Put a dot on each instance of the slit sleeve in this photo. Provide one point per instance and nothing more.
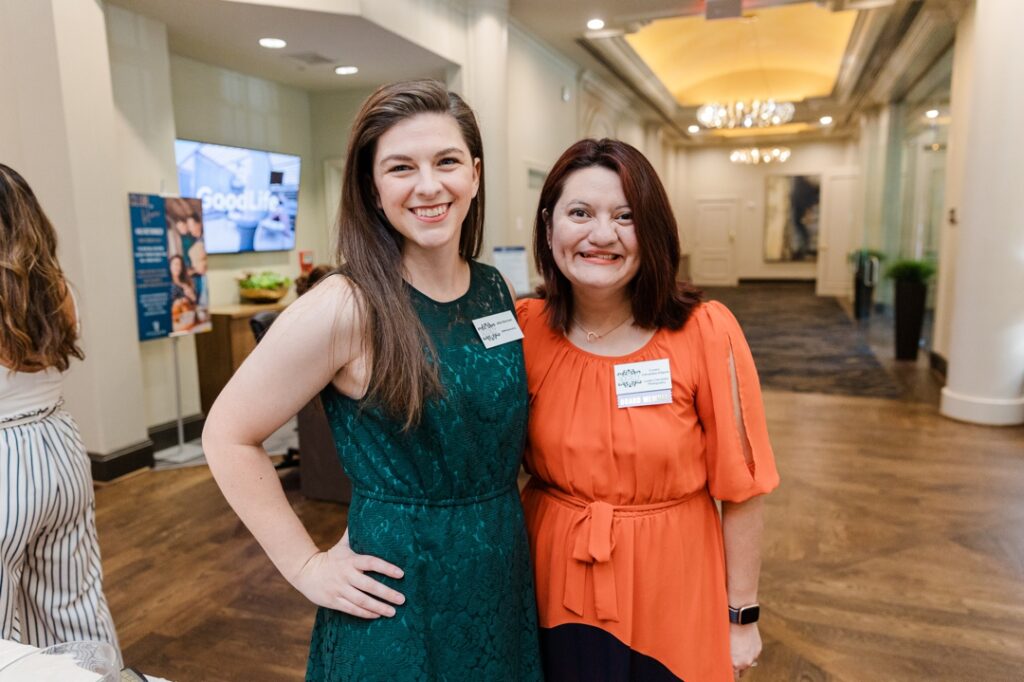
(523, 312)
(738, 454)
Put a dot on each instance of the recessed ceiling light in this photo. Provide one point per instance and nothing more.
(825, 120)
(595, 24)
(693, 129)
(346, 70)
(932, 113)
(272, 43)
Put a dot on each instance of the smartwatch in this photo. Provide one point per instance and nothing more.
(744, 615)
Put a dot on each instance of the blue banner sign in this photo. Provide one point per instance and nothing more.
(152, 275)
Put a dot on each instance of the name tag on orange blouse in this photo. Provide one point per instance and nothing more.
(638, 384)
(497, 329)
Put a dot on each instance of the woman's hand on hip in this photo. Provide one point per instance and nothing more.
(745, 645)
(337, 579)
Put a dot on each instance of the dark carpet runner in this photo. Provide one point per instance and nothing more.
(803, 342)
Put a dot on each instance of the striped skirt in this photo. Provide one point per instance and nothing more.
(51, 580)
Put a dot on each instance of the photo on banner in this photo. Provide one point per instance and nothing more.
(171, 292)
(186, 263)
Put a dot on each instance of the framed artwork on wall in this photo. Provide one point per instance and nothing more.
(792, 210)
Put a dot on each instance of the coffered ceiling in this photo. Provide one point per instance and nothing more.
(783, 53)
(832, 58)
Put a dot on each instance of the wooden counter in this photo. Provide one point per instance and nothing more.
(221, 351)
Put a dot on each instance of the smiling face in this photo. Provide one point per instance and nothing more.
(176, 265)
(591, 231)
(426, 180)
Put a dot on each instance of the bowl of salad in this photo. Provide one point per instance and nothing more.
(265, 287)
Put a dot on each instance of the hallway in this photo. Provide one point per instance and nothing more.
(893, 548)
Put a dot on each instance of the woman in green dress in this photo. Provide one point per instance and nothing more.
(431, 580)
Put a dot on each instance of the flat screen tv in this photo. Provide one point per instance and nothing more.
(250, 197)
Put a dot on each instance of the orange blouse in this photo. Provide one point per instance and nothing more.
(624, 532)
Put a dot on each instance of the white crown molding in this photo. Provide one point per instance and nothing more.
(689, 8)
(593, 85)
(536, 43)
(844, 5)
(501, 6)
(863, 41)
(935, 79)
(631, 68)
(928, 37)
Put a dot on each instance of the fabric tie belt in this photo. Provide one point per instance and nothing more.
(589, 545)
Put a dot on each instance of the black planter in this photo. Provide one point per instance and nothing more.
(864, 280)
(910, 298)
(862, 299)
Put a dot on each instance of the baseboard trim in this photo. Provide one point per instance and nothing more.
(120, 462)
(166, 435)
(937, 363)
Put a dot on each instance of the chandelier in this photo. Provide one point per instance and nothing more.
(755, 114)
(754, 155)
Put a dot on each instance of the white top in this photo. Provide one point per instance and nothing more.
(25, 393)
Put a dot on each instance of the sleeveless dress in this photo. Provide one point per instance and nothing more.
(626, 538)
(440, 501)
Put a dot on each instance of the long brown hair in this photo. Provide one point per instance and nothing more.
(658, 299)
(37, 332)
(370, 249)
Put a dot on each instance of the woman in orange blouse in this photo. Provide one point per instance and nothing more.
(644, 407)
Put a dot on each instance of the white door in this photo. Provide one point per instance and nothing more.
(714, 252)
(334, 170)
(838, 231)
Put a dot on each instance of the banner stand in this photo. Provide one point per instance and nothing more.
(171, 287)
(182, 452)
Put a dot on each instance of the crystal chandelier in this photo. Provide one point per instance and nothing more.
(754, 155)
(755, 114)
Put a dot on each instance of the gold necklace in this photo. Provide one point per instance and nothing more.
(594, 336)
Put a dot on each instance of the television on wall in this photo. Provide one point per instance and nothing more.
(250, 197)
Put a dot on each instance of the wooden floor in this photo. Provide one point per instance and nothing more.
(894, 551)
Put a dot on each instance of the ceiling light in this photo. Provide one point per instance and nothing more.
(932, 113)
(754, 156)
(694, 129)
(755, 114)
(346, 70)
(595, 24)
(825, 120)
(272, 43)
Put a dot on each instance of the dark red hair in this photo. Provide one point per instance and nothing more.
(658, 298)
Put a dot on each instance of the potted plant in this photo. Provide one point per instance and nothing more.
(266, 287)
(911, 278)
(865, 278)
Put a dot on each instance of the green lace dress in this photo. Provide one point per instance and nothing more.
(440, 501)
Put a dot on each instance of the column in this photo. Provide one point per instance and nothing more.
(985, 379)
(58, 130)
(485, 83)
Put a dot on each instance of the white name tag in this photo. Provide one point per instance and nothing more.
(638, 384)
(495, 330)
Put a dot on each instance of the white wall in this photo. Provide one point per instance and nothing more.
(960, 112)
(435, 25)
(541, 125)
(216, 105)
(709, 173)
(141, 75)
(159, 97)
(58, 130)
(331, 115)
